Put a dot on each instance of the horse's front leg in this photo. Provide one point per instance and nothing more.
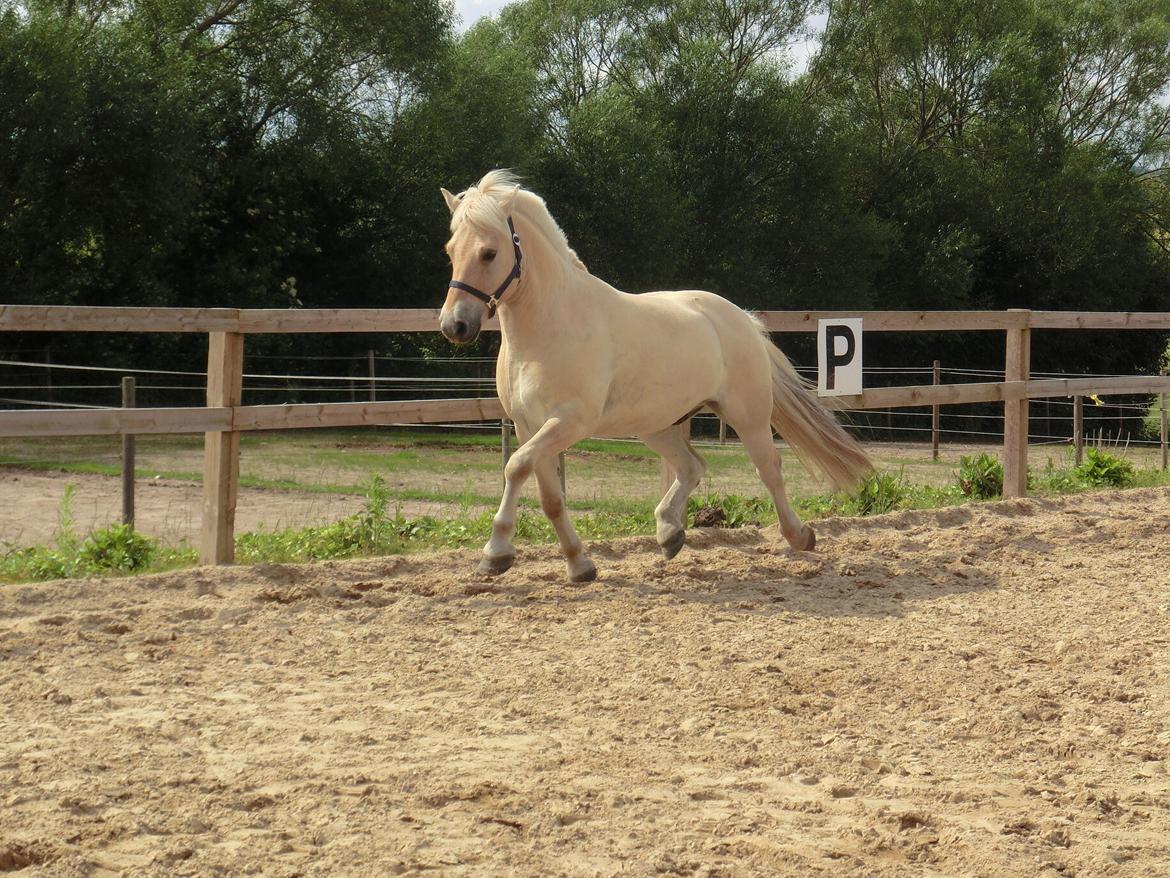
(557, 434)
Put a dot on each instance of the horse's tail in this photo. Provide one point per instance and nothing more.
(810, 429)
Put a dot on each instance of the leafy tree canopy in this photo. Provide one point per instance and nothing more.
(957, 154)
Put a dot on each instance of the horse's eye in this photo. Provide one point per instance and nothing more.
(488, 255)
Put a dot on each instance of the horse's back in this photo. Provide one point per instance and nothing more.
(708, 341)
(737, 332)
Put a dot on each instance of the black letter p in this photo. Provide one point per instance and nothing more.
(832, 358)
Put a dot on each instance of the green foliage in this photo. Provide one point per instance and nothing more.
(1150, 478)
(377, 530)
(1151, 428)
(115, 549)
(981, 477)
(373, 530)
(1057, 479)
(66, 538)
(878, 493)
(1100, 468)
(36, 563)
(1152, 422)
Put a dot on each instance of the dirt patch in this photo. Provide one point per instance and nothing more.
(164, 508)
(971, 691)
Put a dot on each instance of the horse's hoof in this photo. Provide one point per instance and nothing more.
(810, 538)
(673, 545)
(586, 574)
(497, 565)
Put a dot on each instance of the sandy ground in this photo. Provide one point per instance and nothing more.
(972, 691)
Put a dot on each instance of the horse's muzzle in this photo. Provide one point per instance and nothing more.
(459, 328)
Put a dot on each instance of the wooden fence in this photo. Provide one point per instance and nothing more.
(224, 416)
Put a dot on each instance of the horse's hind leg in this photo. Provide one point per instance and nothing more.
(688, 469)
(759, 445)
(552, 501)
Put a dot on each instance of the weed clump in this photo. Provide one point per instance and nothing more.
(981, 478)
(115, 549)
(1100, 469)
(728, 510)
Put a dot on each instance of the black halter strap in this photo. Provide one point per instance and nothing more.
(493, 301)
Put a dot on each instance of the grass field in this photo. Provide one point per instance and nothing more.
(461, 466)
(418, 489)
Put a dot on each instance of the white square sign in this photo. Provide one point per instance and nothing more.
(839, 356)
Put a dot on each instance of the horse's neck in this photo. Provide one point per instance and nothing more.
(553, 293)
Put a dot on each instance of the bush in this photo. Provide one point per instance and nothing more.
(981, 477)
(1100, 468)
(117, 548)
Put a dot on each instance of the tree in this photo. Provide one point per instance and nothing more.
(997, 141)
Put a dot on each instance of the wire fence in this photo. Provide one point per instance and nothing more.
(29, 381)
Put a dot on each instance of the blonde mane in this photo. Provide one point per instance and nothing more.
(480, 206)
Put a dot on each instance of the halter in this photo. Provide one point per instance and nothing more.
(493, 301)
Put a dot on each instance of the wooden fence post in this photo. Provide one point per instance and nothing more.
(934, 413)
(221, 449)
(505, 446)
(373, 377)
(666, 471)
(48, 374)
(506, 451)
(1165, 428)
(1078, 429)
(1017, 367)
(505, 440)
(128, 402)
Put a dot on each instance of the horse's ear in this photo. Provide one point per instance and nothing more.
(452, 200)
(506, 201)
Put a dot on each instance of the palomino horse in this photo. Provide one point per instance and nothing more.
(579, 358)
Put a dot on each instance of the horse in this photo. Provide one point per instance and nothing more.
(579, 358)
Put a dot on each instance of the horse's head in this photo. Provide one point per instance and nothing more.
(485, 258)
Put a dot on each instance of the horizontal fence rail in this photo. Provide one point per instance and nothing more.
(200, 419)
(1001, 391)
(252, 321)
(256, 321)
(98, 421)
(223, 418)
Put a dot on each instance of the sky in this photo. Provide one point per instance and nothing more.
(470, 11)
